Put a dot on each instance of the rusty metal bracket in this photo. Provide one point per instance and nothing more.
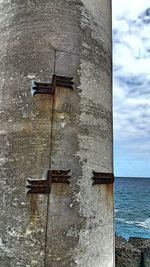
(44, 186)
(49, 88)
(102, 178)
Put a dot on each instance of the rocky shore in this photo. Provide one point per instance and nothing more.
(132, 253)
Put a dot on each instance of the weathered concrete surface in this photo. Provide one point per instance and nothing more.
(80, 216)
(127, 255)
(143, 244)
(25, 133)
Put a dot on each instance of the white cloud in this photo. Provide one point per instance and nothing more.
(129, 9)
(131, 59)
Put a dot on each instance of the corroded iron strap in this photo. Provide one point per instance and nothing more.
(102, 178)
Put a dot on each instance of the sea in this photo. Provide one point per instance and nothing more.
(132, 207)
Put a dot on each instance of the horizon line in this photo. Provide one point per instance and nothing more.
(146, 177)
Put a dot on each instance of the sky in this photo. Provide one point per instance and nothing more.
(131, 87)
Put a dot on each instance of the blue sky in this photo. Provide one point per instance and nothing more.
(131, 87)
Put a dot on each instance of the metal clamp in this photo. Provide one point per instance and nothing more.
(49, 88)
(44, 186)
(102, 178)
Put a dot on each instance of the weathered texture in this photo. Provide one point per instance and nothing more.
(25, 134)
(142, 244)
(126, 254)
(80, 216)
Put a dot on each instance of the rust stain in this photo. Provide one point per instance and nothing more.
(60, 190)
(43, 97)
(34, 212)
(109, 190)
(43, 104)
(57, 99)
(19, 127)
(27, 128)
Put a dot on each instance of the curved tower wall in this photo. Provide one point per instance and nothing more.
(72, 226)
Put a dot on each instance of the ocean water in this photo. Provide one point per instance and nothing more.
(132, 207)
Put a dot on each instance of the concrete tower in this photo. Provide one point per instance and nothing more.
(56, 129)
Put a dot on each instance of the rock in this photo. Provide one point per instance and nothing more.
(126, 254)
(142, 244)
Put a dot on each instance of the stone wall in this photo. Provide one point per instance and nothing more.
(132, 253)
(143, 244)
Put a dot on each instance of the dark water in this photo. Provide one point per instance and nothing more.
(132, 207)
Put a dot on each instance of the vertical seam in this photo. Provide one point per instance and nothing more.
(50, 163)
(50, 154)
